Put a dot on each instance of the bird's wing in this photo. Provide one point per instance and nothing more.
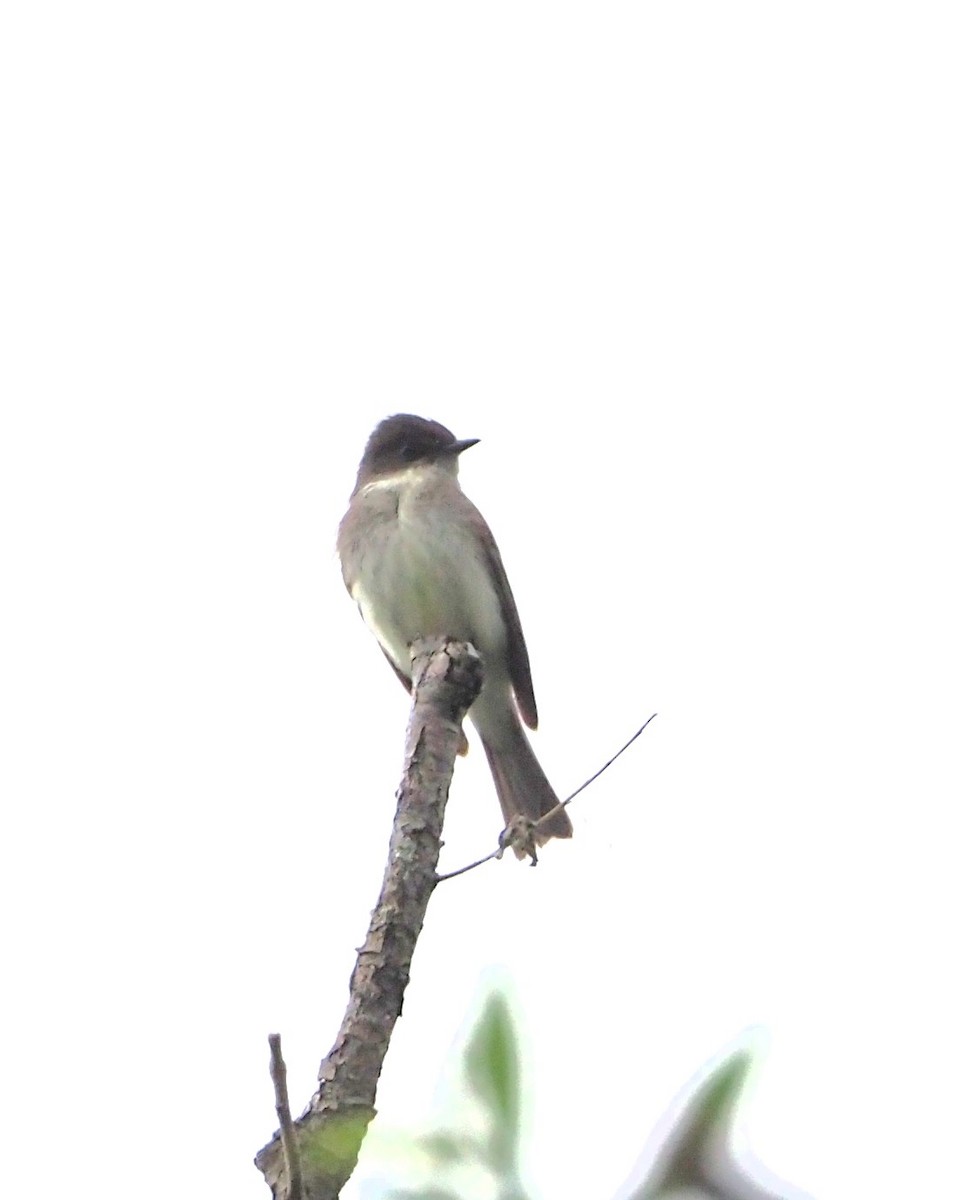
(519, 669)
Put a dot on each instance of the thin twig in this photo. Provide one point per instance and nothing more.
(609, 763)
(498, 852)
(279, 1077)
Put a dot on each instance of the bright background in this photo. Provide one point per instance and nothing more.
(693, 273)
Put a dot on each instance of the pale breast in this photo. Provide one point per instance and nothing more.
(419, 570)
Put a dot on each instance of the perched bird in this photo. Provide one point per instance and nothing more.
(420, 561)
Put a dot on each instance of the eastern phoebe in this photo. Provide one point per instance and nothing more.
(420, 561)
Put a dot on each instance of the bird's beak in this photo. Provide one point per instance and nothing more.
(458, 447)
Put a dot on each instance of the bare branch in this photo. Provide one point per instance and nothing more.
(497, 853)
(509, 835)
(447, 677)
(596, 775)
(279, 1077)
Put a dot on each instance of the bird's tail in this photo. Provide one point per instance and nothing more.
(521, 786)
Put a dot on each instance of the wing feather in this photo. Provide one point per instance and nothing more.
(519, 669)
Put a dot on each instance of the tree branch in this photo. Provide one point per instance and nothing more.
(447, 677)
(526, 828)
(279, 1077)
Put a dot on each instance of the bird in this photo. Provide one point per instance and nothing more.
(420, 561)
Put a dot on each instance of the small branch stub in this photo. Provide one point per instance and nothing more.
(447, 677)
(279, 1077)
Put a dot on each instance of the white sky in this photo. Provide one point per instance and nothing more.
(693, 273)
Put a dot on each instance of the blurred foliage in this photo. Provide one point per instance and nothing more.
(694, 1160)
(333, 1147)
(490, 1071)
(491, 1064)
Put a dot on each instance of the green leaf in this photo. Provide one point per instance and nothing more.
(334, 1145)
(491, 1064)
(447, 1148)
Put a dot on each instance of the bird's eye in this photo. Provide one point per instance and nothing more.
(408, 451)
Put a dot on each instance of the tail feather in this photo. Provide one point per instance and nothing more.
(521, 785)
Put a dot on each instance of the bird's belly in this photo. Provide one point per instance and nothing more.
(428, 581)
